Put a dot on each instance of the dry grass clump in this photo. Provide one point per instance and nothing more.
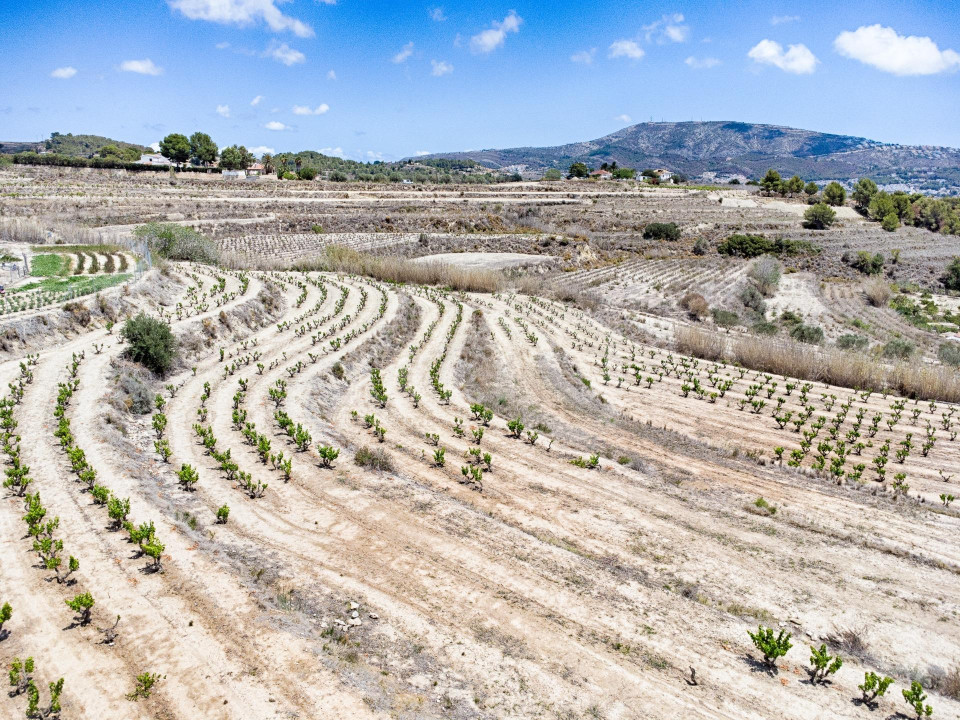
(32, 232)
(695, 304)
(835, 367)
(692, 341)
(877, 292)
(337, 258)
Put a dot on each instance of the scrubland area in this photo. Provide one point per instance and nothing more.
(565, 478)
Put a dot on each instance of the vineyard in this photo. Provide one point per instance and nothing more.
(343, 497)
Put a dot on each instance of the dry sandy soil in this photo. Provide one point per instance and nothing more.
(543, 589)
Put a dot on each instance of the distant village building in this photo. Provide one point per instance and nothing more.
(234, 174)
(153, 159)
(601, 174)
(255, 169)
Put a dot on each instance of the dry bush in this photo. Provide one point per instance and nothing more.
(337, 258)
(950, 685)
(877, 291)
(765, 272)
(831, 366)
(695, 304)
(699, 343)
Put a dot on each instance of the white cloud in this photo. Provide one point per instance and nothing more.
(667, 29)
(261, 150)
(285, 54)
(784, 19)
(625, 48)
(797, 59)
(584, 56)
(882, 48)
(440, 68)
(489, 40)
(256, 101)
(223, 110)
(436, 14)
(143, 67)
(276, 125)
(155, 146)
(371, 155)
(335, 151)
(623, 118)
(242, 12)
(421, 153)
(331, 75)
(404, 53)
(64, 73)
(222, 45)
(701, 63)
(306, 110)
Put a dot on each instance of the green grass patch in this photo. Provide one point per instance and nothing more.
(78, 283)
(48, 265)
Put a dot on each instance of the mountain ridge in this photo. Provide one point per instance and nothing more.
(731, 148)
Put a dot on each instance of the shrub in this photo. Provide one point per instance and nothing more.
(852, 341)
(746, 246)
(176, 242)
(150, 342)
(753, 299)
(771, 646)
(763, 327)
(949, 354)
(725, 318)
(6, 612)
(376, 459)
(811, 334)
(766, 272)
(819, 216)
(307, 173)
(877, 291)
(867, 263)
(890, 222)
(898, 349)
(223, 512)
(951, 279)
(700, 246)
(695, 304)
(661, 231)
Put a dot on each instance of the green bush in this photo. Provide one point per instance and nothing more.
(898, 349)
(725, 318)
(834, 194)
(763, 327)
(852, 341)
(867, 263)
(661, 231)
(949, 354)
(807, 333)
(176, 242)
(753, 299)
(750, 246)
(150, 342)
(819, 216)
(890, 222)
(951, 279)
(307, 173)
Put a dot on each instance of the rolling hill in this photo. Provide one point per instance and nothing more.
(729, 148)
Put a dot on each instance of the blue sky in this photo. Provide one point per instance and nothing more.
(368, 80)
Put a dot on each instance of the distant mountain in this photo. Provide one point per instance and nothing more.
(738, 148)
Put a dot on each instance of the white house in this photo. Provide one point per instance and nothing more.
(153, 159)
(234, 174)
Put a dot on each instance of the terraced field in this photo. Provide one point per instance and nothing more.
(351, 498)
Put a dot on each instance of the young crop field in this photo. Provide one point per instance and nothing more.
(367, 487)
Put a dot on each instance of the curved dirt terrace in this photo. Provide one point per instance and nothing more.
(466, 505)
